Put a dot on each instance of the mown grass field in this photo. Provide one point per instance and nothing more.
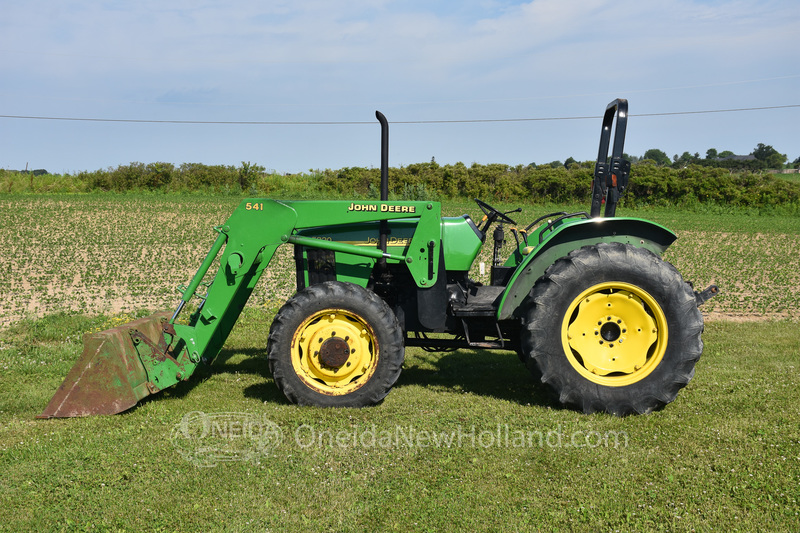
(466, 441)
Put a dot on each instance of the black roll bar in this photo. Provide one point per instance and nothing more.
(611, 176)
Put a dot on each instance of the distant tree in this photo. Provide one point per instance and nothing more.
(556, 164)
(711, 154)
(658, 156)
(769, 156)
(763, 151)
(725, 153)
(569, 161)
(796, 163)
(248, 173)
(685, 159)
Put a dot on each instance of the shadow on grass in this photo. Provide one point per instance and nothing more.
(254, 364)
(496, 374)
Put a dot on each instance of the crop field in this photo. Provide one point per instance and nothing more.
(112, 254)
(465, 441)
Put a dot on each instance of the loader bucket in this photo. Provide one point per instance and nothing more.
(108, 377)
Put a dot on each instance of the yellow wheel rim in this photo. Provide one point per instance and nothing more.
(614, 334)
(334, 352)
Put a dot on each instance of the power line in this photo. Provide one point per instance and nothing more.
(347, 123)
(715, 111)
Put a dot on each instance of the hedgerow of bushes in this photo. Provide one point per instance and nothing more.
(650, 185)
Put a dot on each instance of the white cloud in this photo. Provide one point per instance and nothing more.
(330, 59)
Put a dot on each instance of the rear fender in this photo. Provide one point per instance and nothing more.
(571, 236)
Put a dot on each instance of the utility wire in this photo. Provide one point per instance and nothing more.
(341, 123)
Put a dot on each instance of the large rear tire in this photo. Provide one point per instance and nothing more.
(613, 328)
(335, 345)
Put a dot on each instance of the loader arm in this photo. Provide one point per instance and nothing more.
(258, 227)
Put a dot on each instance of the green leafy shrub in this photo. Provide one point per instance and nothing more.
(650, 184)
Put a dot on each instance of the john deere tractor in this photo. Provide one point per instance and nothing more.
(584, 299)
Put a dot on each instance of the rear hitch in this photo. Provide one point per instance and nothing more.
(706, 295)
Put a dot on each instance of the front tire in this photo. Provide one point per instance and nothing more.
(335, 345)
(613, 328)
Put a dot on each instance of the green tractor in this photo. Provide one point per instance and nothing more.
(585, 301)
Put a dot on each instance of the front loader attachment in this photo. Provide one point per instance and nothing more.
(122, 365)
(109, 376)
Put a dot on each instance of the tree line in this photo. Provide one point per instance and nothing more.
(763, 157)
(650, 183)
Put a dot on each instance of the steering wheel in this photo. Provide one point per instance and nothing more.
(490, 214)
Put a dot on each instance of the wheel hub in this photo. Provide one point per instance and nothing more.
(610, 331)
(334, 352)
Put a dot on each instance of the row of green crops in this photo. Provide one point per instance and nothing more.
(120, 253)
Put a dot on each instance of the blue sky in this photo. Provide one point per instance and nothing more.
(340, 60)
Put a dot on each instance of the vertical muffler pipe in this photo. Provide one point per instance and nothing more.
(384, 228)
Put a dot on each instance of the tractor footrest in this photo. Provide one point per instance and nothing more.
(481, 301)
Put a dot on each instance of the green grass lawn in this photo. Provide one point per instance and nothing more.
(724, 455)
(789, 177)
